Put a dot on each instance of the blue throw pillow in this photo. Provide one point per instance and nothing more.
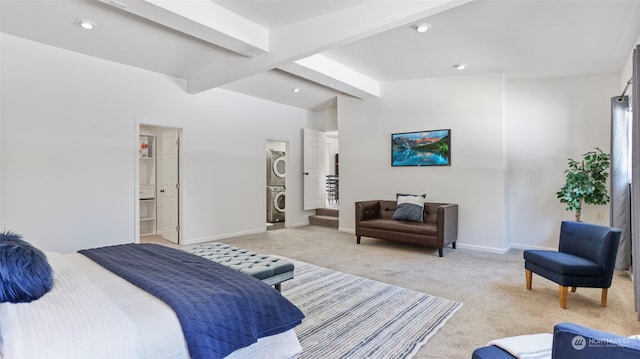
(409, 207)
(25, 274)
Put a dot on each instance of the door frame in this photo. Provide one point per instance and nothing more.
(136, 179)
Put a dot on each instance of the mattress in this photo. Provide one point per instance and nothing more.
(92, 312)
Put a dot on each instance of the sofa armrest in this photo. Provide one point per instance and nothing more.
(575, 341)
(367, 210)
(447, 224)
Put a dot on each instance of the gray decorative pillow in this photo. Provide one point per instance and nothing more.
(409, 207)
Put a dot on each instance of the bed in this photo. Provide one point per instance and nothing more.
(93, 313)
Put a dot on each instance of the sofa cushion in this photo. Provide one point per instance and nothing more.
(431, 212)
(563, 263)
(409, 207)
(393, 225)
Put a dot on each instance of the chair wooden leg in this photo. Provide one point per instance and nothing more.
(603, 298)
(529, 277)
(564, 291)
(573, 289)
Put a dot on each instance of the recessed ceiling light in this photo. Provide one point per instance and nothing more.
(422, 27)
(296, 90)
(86, 24)
(460, 66)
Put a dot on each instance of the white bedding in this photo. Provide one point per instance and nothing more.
(92, 313)
(531, 346)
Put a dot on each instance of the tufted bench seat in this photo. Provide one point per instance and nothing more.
(269, 269)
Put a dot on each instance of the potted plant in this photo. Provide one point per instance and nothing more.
(586, 182)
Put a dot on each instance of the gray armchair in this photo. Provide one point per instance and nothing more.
(586, 257)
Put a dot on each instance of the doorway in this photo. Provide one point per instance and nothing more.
(158, 205)
(276, 171)
(332, 169)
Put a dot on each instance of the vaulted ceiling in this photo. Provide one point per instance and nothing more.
(266, 48)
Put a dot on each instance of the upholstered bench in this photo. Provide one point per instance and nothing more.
(269, 269)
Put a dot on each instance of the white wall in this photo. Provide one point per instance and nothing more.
(627, 70)
(69, 149)
(510, 143)
(549, 121)
(472, 107)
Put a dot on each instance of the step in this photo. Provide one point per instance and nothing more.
(324, 221)
(330, 212)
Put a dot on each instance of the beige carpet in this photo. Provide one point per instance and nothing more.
(491, 286)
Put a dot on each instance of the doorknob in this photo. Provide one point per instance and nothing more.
(161, 191)
(306, 173)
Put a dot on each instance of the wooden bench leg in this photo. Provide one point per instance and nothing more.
(564, 292)
(573, 289)
(603, 298)
(528, 277)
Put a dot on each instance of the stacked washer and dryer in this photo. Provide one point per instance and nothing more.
(276, 167)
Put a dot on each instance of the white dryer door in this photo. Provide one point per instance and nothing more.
(279, 166)
(278, 202)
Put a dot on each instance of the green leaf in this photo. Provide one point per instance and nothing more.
(586, 181)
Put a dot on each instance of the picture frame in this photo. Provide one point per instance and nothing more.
(421, 148)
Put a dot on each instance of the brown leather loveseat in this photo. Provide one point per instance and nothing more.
(439, 229)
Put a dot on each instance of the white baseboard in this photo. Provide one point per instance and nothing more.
(482, 248)
(502, 250)
(347, 230)
(458, 244)
(223, 236)
(301, 224)
(526, 246)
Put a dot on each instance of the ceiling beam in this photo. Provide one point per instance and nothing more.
(327, 72)
(302, 39)
(204, 20)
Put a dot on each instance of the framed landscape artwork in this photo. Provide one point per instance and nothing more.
(421, 148)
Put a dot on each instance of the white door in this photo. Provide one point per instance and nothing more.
(314, 169)
(170, 180)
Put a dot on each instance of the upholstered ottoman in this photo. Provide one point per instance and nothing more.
(269, 269)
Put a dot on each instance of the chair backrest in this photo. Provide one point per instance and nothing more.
(591, 241)
(594, 343)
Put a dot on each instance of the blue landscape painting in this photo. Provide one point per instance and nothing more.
(424, 148)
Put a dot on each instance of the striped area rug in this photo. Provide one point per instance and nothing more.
(354, 317)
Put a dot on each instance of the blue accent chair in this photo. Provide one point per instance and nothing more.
(573, 341)
(586, 257)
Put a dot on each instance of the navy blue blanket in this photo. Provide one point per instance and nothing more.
(220, 309)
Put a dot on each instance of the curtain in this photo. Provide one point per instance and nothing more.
(635, 176)
(620, 196)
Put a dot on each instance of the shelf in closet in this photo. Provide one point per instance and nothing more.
(147, 205)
